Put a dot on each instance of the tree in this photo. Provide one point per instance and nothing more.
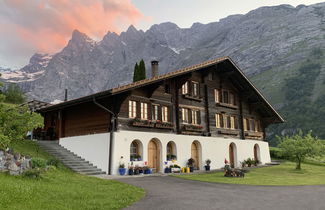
(142, 70)
(136, 73)
(15, 121)
(14, 94)
(298, 147)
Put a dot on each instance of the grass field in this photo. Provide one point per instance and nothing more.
(284, 174)
(62, 189)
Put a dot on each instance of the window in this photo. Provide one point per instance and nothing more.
(136, 151)
(232, 99)
(218, 120)
(210, 76)
(185, 88)
(232, 122)
(225, 98)
(132, 109)
(217, 95)
(171, 151)
(164, 114)
(195, 117)
(155, 112)
(195, 89)
(144, 111)
(184, 115)
(252, 124)
(258, 127)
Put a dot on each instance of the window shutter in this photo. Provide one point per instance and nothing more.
(199, 117)
(189, 116)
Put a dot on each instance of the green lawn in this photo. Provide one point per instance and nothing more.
(62, 189)
(284, 174)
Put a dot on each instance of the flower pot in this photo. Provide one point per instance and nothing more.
(191, 169)
(122, 171)
(207, 168)
(147, 171)
(131, 171)
(140, 171)
(167, 170)
(136, 172)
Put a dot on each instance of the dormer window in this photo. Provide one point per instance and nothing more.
(185, 88)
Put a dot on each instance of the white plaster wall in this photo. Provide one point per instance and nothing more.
(93, 148)
(214, 148)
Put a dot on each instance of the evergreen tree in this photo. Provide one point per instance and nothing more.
(14, 95)
(136, 73)
(142, 70)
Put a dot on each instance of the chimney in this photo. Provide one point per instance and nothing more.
(154, 68)
(66, 95)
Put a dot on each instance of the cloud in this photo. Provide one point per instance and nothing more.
(46, 26)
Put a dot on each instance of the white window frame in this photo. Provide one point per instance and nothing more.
(164, 114)
(144, 111)
(195, 117)
(217, 95)
(218, 120)
(132, 109)
(232, 122)
(185, 88)
(184, 115)
(196, 87)
(155, 112)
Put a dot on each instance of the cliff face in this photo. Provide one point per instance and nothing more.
(268, 38)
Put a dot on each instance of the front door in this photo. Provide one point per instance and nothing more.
(231, 156)
(195, 155)
(153, 158)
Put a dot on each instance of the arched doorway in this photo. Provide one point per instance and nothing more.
(232, 155)
(257, 153)
(195, 154)
(154, 155)
(171, 151)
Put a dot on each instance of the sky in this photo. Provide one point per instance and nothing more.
(45, 26)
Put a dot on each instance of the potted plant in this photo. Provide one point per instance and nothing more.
(169, 157)
(168, 170)
(140, 170)
(207, 166)
(190, 164)
(131, 170)
(122, 169)
(249, 162)
(136, 170)
(173, 157)
(175, 168)
(146, 170)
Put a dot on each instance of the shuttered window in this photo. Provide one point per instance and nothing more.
(144, 111)
(185, 115)
(218, 120)
(217, 95)
(195, 88)
(164, 113)
(155, 112)
(232, 122)
(195, 117)
(185, 88)
(132, 109)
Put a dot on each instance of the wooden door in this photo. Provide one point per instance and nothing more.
(255, 153)
(153, 156)
(231, 156)
(195, 155)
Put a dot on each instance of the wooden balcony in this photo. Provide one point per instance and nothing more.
(143, 123)
(192, 128)
(164, 125)
(254, 135)
(229, 132)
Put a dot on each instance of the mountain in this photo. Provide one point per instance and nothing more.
(272, 45)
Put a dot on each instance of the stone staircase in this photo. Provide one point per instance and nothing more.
(69, 159)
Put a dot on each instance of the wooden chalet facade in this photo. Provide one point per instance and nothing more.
(213, 99)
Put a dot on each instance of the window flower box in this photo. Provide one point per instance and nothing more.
(164, 125)
(143, 123)
(254, 135)
(196, 128)
(231, 132)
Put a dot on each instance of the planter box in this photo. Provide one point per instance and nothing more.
(164, 126)
(143, 124)
(254, 135)
(192, 128)
(175, 170)
(230, 132)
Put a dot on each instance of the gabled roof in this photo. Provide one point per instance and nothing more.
(120, 89)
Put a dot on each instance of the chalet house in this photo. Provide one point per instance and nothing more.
(205, 111)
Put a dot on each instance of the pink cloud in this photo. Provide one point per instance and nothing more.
(47, 25)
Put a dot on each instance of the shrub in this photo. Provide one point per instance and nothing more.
(38, 163)
(276, 153)
(53, 162)
(34, 173)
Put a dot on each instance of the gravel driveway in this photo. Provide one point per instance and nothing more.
(165, 192)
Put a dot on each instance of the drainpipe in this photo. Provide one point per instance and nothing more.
(111, 136)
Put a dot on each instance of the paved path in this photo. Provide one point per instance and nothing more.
(176, 193)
